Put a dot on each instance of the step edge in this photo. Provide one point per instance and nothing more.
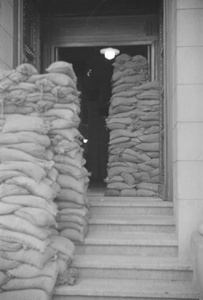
(126, 221)
(99, 261)
(131, 204)
(183, 292)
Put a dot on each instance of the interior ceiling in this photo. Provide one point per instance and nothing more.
(77, 8)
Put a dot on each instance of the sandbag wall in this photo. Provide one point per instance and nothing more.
(61, 95)
(57, 109)
(133, 121)
(27, 212)
(32, 253)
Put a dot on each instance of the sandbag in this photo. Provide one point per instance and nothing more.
(8, 264)
(6, 209)
(69, 182)
(36, 216)
(17, 224)
(29, 168)
(33, 149)
(128, 193)
(112, 193)
(31, 201)
(63, 245)
(36, 188)
(50, 269)
(145, 193)
(27, 256)
(17, 123)
(71, 195)
(24, 137)
(12, 189)
(8, 246)
(73, 235)
(62, 67)
(44, 283)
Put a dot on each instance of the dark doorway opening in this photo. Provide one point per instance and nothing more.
(94, 74)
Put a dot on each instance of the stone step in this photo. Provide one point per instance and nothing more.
(120, 289)
(130, 206)
(143, 244)
(132, 267)
(129, 223)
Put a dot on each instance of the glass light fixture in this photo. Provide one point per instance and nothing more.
(109, 53)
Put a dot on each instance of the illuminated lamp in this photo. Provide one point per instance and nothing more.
(109, 53)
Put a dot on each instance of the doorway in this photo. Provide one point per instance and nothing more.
(94, 74)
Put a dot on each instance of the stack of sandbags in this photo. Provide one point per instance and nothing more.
(31, 257)
(65, 248)
(60, 105)
(62, 118)
(27, 210)
(133, 122)
(15, 90)
(147, 175)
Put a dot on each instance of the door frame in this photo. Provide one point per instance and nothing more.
(52, 49)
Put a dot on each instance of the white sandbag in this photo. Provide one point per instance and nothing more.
(17, 155)
(145, 193)
(17, 123)
(62, 123)
(81, 211)
(66, 114)
(33, 149)
(40, 189)
(36, 216)
(73, 235)
(119, 186)
(78, 161)
(26, 69)
(50, 269)
(4, 175)
(128, 193)
(6, 209)
(69, 182)
(72, 170)
(148, 186)
(71, 195)
(12, 189)
(17, 224)
(29, 168)
(72, 225)
(71, 218)
(3, 278)
(71, 134)
(28, 256)
(24, 239)
(8, 264)
(62, 245)
(67, 204)
(62, 67)
(8, 246)
(24, 137)
(31, 201)
(44, 283)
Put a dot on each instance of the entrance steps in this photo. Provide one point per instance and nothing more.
(131, 253)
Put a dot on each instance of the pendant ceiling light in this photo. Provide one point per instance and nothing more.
(109, 53)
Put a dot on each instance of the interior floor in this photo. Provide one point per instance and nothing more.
(96, 188)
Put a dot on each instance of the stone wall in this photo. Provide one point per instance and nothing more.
(187, 98)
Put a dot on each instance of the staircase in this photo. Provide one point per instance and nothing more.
(131, 253)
